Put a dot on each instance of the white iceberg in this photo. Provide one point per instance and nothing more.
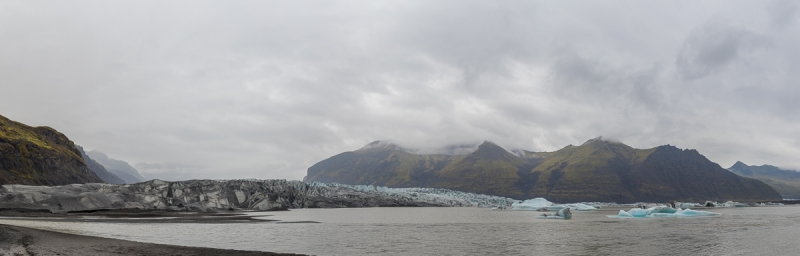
(533, 204)
(541, 204)
(660, 212)
(580, 207)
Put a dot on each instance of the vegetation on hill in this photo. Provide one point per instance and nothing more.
(39, 156)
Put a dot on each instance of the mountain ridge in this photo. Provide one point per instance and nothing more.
(118, 167)
(786, 182)
(597, 170)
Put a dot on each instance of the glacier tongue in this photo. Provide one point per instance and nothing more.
(221, 195)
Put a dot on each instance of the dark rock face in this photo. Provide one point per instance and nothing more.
(786, 182)
(598, 170)
(118, 167)
(670, 173)
(210, 195)
(39, 156)
(98, 169)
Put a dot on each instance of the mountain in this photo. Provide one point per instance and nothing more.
(118, 167)
(786, 182)
(597, 170)
(40, 156)
(487, 170)
(98, 169)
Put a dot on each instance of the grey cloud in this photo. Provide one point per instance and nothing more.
(782, 12)
(712, 47)
(266, 89)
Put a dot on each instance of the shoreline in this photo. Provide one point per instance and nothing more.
(16, 240)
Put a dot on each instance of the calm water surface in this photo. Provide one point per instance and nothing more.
(472, 231)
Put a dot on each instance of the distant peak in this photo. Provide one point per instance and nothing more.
(600, 139)
(380, 144)
(488, 143)
(488, 147)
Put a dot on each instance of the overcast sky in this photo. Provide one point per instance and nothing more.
(265, 89)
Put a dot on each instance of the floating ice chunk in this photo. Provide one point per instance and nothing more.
(532, 204)
(541, 204)
(563, 214)
(661, 211)
(638, 212)
(580, 207)
(691, 213)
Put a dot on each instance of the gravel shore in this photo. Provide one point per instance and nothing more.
(26, 241)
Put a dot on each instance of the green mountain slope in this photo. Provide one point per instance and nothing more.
(488, 170)
(39, 156)
(597, 170)
(786, 182)
(378, 164)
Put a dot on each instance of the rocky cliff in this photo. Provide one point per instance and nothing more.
(786, 182)
(39, 156)
(597, 170)
(211, 195)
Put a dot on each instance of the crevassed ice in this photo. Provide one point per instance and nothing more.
(432, 195)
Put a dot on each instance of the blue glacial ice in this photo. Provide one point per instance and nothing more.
(541, 204)
(661, 212)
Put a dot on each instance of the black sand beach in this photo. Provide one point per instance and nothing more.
(26, 241)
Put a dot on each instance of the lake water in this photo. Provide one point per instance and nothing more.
(471, 231)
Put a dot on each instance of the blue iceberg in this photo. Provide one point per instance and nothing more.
(661, 212)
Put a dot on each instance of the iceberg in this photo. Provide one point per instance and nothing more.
(533, 205)
(580, 207)
(660, 212)
(541, 204)
(563, 214)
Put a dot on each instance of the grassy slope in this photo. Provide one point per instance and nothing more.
(488, 170)
(39, 156)
(596, 170)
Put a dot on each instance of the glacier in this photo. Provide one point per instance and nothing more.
(226, 195)
(661, 212)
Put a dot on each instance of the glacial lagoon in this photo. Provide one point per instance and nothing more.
(766, 230)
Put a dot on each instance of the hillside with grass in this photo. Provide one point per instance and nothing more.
(40, 156)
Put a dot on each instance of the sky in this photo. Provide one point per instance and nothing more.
(265, 89)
